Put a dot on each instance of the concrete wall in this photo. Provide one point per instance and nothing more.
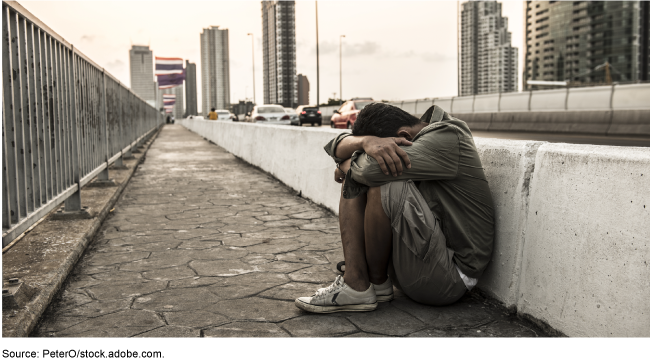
(572, 245)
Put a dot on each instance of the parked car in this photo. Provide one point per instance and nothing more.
(309, 114)
(223, 114)
(346, 115)
(293, 115)
(269, 114)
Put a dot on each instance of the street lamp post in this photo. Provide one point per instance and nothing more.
(317, 67)
(253, 51)
(341, 70)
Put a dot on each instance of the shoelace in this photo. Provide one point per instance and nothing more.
(322, 292)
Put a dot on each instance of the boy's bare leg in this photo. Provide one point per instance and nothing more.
(351, 223)
(367, 239)
(378, 236)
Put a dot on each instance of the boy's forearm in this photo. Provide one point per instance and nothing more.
(348, 145)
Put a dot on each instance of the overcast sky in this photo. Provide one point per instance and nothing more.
(392, 50)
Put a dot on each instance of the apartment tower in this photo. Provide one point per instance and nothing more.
(279, 53)
(582, 41)
(488, 60)
(191, 100)
(215, 69)
(141, 71)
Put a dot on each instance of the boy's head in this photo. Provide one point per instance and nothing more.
(383, 120)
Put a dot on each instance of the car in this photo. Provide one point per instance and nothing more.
(269, 114)
(223, 114)
(293, 116)
(346, 115)
(309, 114)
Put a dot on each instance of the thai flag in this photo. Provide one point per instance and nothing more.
(171, 80)
(169, 99)
(166, 66)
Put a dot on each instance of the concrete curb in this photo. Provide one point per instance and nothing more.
(19, 323)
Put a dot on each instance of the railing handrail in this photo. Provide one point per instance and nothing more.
(65, 121)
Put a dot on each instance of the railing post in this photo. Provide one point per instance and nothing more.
(73, 203)
(103, 179)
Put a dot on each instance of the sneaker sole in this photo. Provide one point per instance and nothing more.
(386, 298)
(331, 309)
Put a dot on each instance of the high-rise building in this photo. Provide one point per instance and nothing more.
(488, 60)
(279, 52)
(141, 70)
(303, 90)
(568, 40)
(215, 69)
(190, 89)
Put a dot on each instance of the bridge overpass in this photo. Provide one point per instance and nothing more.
(200, 239)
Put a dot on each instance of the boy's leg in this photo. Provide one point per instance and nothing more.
(378, 237)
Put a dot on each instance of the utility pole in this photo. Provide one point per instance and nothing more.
(317, 67)
(341, 70)
(253, 51)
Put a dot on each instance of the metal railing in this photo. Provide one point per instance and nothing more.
(65, 120)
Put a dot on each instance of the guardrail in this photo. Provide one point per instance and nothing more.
(65, 121)
(618, 109)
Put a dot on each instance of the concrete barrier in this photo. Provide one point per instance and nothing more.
(572, 246)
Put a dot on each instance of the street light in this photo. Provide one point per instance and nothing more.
(341, 70)
(253, 50)
(317, 67)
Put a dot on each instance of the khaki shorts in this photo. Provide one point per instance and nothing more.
(421, 264)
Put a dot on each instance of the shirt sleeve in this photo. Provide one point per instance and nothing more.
(434, 156)
(330, 148)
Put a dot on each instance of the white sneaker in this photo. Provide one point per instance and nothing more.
(384, 291)
(339, 297)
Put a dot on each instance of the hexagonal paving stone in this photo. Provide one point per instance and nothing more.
(247, 285)
(115, 290)
(465, 313)
(314, 274)
(171, 331)
(178, 299)
(319, 326)
(303, 257)
(106, 259)
(256, 309)
(152, 264)
(94, 309)
(386, 320)
(169, 274)
(291, 291)
(120, 324)
(246, 329)
(275, 247)
(223, 268)
(287, 223)
(195, 319)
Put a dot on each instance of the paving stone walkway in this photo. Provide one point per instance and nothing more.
(202, 244)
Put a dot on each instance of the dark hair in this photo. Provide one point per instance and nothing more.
(212, 109)
(382, 120)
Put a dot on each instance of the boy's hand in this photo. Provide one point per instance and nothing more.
(387, 153)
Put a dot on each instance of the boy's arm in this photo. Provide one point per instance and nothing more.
(385, 151)
(433, 157)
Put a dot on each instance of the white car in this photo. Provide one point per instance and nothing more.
(269, 114)
(224, 114)
(292, 113)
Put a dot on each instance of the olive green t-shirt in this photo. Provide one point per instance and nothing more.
(445, 162)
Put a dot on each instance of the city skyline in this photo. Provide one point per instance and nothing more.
(378, 61)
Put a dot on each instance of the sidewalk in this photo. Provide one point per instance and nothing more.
(202, 244)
